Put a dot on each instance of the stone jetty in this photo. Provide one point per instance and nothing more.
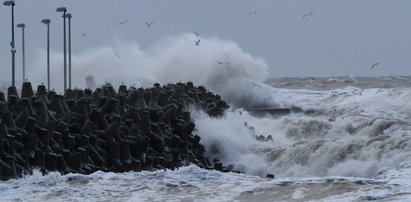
(82, 131)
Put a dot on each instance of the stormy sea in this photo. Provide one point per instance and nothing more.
(345, 139)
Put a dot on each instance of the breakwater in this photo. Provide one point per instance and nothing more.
(84, 131)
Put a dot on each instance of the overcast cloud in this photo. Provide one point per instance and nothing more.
(341, 38)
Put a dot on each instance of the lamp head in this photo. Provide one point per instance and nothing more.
(22, 25)
(67, 15)
(9, 3)
(46, 21)
(61, 9)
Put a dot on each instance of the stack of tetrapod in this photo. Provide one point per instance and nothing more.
(85, 131)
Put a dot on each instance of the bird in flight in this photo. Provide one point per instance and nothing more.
(222, 63)
(255, 85)
(308, 14)
(122, 22)
(116, 54)
(197, 42)
(197, 35)
(375, 64)
(251, 13)
(83, 34)
(148, 24)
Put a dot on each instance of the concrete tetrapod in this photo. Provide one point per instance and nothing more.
(84, 131)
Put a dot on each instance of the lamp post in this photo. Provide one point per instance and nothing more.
(13, 50)
(64, 10)
(47, 22)
(22, 26)
(68, 15)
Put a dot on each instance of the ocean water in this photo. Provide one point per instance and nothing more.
(347, 139)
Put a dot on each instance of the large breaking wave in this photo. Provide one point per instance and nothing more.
(218, 64)
(344, 132)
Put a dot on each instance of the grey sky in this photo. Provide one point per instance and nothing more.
(341, 38)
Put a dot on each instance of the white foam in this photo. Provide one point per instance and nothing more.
(390, 102)
(356, 133)
(191, 183)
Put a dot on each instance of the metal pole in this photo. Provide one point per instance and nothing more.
(65, 54)
(24, 62)
(13, 50)
(48, 57)
(69, 50)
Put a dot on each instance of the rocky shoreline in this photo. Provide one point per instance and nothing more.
(84, 131)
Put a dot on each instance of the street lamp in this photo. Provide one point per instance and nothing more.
(13, 50)
(47, 22)
(68, 15)
(22, 26)
(64, 10)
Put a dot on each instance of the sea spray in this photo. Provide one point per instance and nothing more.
(171, 59)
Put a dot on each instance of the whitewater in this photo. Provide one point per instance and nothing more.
(346, 138)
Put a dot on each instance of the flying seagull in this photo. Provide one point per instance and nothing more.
(375, 64)
(197, 42)
(222, 63)
(256, 85)
(251, 13)
(148, 24)
(116, 54)
(308, 14)
(122, 22)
